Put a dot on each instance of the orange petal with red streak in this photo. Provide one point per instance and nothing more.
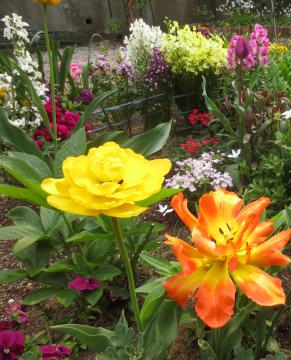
(181, 288)
(259, 286)
(187, 255)
(216, 296)
(268, 253)
(254, 208)
(180, 205)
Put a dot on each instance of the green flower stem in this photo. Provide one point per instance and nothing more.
(129, 273)
(52, 77)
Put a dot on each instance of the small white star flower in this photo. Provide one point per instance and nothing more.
(234, 154)
(164, 210)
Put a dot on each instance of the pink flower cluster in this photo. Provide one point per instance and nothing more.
(55, 352)
(76, 69)
(66, 122)
(249, 53)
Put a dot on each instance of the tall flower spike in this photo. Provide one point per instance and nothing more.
(230, 244)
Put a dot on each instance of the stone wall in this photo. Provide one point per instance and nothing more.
(82, 18)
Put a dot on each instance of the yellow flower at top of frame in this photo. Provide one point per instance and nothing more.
(48, 2)
(3, 91)
(109, 180)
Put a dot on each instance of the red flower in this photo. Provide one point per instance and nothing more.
(11, 344)
(54, 352)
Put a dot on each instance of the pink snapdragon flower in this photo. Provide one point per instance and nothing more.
(249, 53)
(76, 69)
(54, 352)
(81, 283)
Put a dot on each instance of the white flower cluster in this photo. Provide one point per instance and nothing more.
(23, 114)
(236, 6)
(139, 45)
(196, 174)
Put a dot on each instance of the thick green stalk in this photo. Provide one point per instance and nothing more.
(52, 77)
(129, 273)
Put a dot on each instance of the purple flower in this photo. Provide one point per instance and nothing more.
(11, 344)
(81, 283)
(124, 68)
(85, 98)
(54, 352)
(158, 70)
(102, 63)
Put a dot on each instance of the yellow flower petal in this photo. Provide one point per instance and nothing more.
(70, 206)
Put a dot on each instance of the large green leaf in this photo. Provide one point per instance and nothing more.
(15, 232)
(22, 172)
(168, 320)
(11, 275)
(23, 194)
(25, 242)
(65, 66)
(97, 339)
(16, 137)
(76, 145)
(163, 266)
(151, 304)
(34, 162)
(151, 141)
(106, 272)
(23, 215)
(38, 296)
(162, 194)
(66, 297)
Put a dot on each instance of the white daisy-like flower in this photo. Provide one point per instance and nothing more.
(164, 210)
(234, 154)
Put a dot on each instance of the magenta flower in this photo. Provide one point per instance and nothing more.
(81, 283)
(11, 344)
(54, 352)
(85, 98)
(16, 313)
(249, 54)
(242, 48)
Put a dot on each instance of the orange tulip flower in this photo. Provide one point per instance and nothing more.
(230, 245)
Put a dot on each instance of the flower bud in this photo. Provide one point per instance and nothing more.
(242, 48)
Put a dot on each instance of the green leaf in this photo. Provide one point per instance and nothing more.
(75, 146)
(81, 262)
(150, 285)
(34, 162)
(22, 172)
(211, 106)
(93, 296)
(85, 76)
(106, 272)
(50, 219)
(97, 339)
(29, 356)
(207, 353)
(65, 66)
(66, 297)
(151, 141)
(65, 265)
(25, 242)
(23, 215)
(164, 266)
(162, 194)
(151, 304)
(82, 236)
(38, 296)
(16, 137)
(15, 232)
(97, 249)
(22, 194)
(12, 275)
(93, 106)
(168, 320)
(117, 136)
(243, 354)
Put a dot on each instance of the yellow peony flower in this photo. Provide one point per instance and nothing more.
(109, 180)
(48, 2)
